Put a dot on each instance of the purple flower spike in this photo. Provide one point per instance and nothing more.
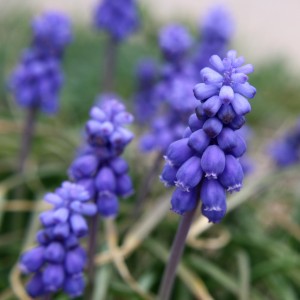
(119, 18)
(99, 167)
(174, 41)
(36, 81)
(58, 257)
(208, 157)
(52, 32)
(285, 151)
(216, 30)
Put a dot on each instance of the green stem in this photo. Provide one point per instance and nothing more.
(27, 135)
(146, 184)
(110, 65)
(92, 248)
(175, 256)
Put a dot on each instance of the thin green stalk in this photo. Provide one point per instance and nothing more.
(175, 256)
(146, 184)
(26, 141)
(110, 65)
(92, 248)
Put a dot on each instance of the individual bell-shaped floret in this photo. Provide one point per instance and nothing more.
(198, 141)
(213, 161)
(168, 175)
(32, 260)
(178, 152)
(55, 252)
(35, 287)
(53, 277)
(74, 285)
(189, 174)
(183, 201)
(213, 199)
(232, 177)
(108, 205)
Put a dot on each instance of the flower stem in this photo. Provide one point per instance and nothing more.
(92, 247)
(146, 184)
(27, 135)
(175, 255)
(110, 65)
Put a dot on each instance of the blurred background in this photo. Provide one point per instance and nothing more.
(265, 29)
(255, 252)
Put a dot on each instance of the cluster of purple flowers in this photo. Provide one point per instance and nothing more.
(51, 33)
(216, 31)
(98, 167)
(119, 18)
(205, 162)
(174, 42)
(58, 260)
(37, 79)
(286, 151)
(173, 91)
(172, 99)
(146, 102)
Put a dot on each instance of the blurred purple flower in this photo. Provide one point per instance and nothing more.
(216, 30)
(145, 99)
(119, 18)
(286, 150)
(175, 42)
(51, 32)
(36, 81)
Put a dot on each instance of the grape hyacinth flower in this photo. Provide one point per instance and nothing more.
(145, 100)
(174, 42)
(119, 18)
(51, 33)
(98, 167)
(216, 31)
(173, 91)
(206, 160)
(36, 81)
(57, 262)
(204, 164)
(286, 150)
